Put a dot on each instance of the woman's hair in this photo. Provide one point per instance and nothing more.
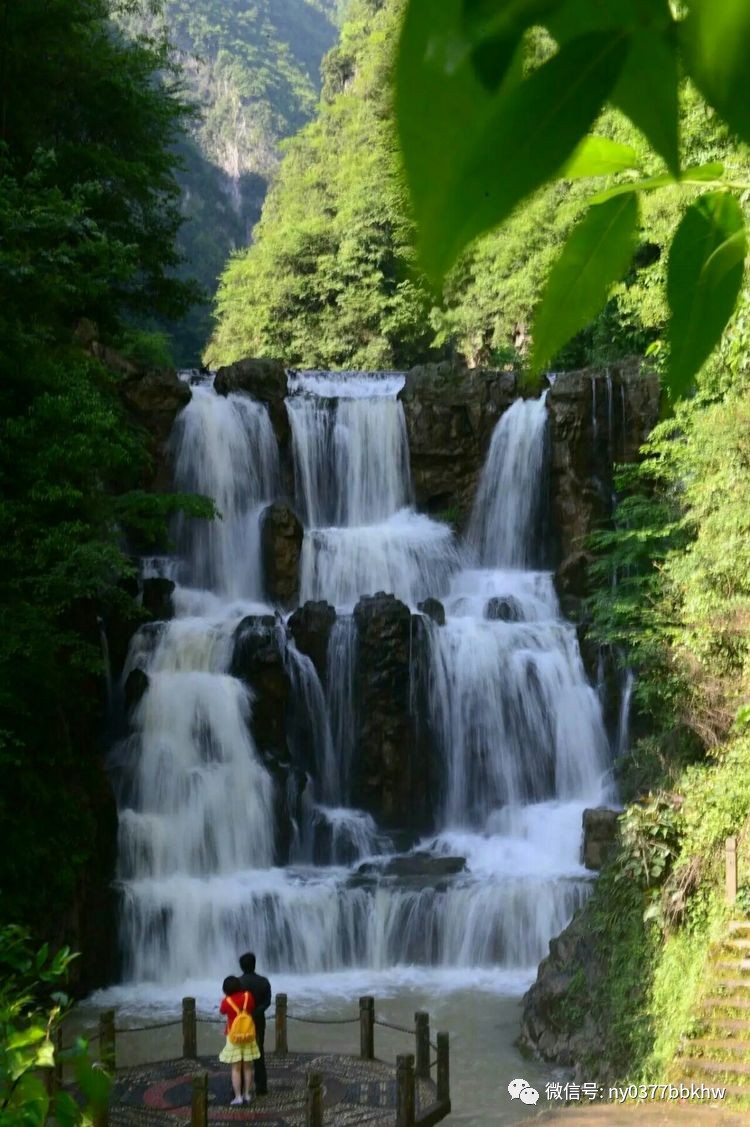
(232, 985)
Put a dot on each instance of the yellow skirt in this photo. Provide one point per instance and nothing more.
(233, 1054)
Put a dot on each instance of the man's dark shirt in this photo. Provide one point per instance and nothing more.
(260, 988)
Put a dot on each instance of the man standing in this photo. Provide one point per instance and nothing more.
(260, 988)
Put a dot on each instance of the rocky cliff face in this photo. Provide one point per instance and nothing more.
(597, 418)
(450, 415)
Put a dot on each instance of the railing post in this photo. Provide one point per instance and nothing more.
(107, 1040)
(189, 1029)
(199, 1102)
(731, 870)
(367, 1028)
(281, 1045)
(443, 1067)
(314, 1100)
(422, 1033)
(405, 1103)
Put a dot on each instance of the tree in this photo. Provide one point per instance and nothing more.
(483, 125)
(88, 213)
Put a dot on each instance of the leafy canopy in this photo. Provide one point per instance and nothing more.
(482, 126)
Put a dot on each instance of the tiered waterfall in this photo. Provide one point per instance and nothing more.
(515, 730)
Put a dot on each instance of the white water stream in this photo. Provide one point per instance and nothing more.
(517, 727)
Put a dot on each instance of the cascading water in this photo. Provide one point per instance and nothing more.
(516, 728)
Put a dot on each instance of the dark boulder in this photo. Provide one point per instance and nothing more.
(136, 684)
(157, 597)
(422, 865)
(258, 660)
(434, 609)
(503, 608)
(601, 830)
(264, 380)
(311, 626)
(281, 547)
(390, 778)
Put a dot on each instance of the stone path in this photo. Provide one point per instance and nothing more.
(354, 1091)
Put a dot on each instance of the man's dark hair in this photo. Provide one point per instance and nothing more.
(232, 985)
(247, 962)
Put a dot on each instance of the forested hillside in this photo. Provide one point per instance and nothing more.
(253, 70)
(331, 277)
(89, 212)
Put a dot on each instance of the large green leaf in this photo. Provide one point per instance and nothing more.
(704, 276)
(647, 92)
(716, 41)
(495, 29)
(597, 254)
(578, 17)
(471, 156)
(599, 156)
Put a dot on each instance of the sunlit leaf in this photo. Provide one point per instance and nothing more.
(578, 17)
(597, 254)
(599, 156)
(647, 92)
(697, 174)
(715, 37)
(471, 157)
(704, 276)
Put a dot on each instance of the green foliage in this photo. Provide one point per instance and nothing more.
(252, 69)
(596, 255)
(31, 1005)
(88, 211)
(329, 279)
(513, 116)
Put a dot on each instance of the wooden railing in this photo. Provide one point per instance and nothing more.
(410, 1067)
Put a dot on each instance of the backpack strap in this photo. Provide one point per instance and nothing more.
(234, 1005)
(247, 999)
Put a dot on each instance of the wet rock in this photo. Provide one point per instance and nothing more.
(135, 687)
(153, 399)
(558, 1022)
(450, 413)
(601, 831)
(258, 660)
(423, 865)
(571, 577)
(503, 608)
(281, 546)
(597, 418)
(391, 774)
(264, 380)
(311, 626)
(434, 609)
(157, 597)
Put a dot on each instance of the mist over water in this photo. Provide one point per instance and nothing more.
(516, 728)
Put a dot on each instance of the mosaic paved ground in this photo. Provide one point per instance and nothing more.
(354, 1091)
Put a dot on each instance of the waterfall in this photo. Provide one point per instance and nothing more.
(340, 679)
(503, 529)
(224, 447)
(514, 726)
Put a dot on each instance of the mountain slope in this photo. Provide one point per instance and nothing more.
(253, 69)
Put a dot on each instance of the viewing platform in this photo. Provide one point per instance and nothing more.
(305, 1089)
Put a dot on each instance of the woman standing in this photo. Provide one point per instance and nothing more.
(241, 1047)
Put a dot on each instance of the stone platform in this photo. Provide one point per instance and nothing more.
(355, 1091)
